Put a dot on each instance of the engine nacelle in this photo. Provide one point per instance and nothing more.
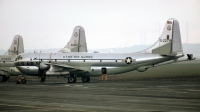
(143, 68)
(44, 66)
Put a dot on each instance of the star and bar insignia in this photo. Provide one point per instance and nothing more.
(128, 60)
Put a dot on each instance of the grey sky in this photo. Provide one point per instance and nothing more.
(108, 23)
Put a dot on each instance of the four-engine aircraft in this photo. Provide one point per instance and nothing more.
(167, 48)
(77, 43)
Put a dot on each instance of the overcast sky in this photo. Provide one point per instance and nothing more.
(107, 23)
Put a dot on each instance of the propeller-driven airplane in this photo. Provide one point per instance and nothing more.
(77, 43)
(167, 48)
(7, 66)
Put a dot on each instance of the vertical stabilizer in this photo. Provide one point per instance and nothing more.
(169, 43)
(17, 46)
(176, 41)
(77, 41)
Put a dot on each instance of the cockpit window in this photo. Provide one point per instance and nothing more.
(18, 58)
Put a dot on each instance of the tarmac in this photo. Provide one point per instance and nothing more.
(100, 96)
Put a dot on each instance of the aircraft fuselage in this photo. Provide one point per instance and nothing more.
(89, 64)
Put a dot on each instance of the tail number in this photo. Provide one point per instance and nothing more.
(164, 40)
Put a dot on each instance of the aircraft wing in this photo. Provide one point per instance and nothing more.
(61, 65)
(68, 68)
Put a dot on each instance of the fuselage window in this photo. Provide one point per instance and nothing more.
(22, 63)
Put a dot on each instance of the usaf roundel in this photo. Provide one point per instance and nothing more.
(128, 60)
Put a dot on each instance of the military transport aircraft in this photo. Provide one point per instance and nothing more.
(167, 48)
(77, 43)
(7, 67)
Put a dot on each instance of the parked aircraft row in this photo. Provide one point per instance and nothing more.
(79, 63)
(77, 43)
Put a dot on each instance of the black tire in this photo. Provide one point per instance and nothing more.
(5, 78)
(43, 78)
(72, 79)
(85, 79)
(23, 81)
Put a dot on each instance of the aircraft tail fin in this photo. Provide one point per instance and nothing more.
(17, 46)
(169, 43)
(77, 42)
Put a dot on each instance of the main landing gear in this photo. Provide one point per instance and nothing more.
(42, 74)
(73, 79)
(43, 78)
(85, 79)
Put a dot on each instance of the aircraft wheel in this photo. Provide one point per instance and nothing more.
(23, 81)
(72, 79)
(86, 79)
(5, 78)
(43, 78)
